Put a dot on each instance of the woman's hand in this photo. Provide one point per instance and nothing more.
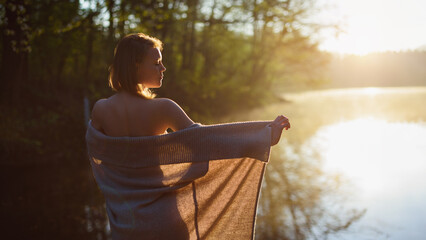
(277, 127)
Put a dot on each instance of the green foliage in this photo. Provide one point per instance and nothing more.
(43, 132)
(213, 69)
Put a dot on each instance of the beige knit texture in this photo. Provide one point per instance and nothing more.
(202, 182)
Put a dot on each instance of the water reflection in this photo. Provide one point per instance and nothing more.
(386, 163)
(97, 222)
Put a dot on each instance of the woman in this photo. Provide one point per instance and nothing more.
(167, 186)
(133, 110)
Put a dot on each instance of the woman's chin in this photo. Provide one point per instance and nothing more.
(160, 83)
(158, 86)
(153, 85)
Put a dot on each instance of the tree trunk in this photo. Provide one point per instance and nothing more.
(14, 62)
(189, 36)
(111, 30)
(122, 18)
(205, 47)
(89, 52)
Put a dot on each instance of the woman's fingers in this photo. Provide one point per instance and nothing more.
(278, 125)
(283, 121)
(287, 125)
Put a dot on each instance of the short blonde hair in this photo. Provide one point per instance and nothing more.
(130, 50)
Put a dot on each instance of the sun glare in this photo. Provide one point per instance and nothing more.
(372, 91)
(374, 153)
(374, 26)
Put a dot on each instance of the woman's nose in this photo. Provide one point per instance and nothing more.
(163, 68)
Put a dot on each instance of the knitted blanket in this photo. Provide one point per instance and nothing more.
(202, 182)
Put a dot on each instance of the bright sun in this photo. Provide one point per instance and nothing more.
(374, 26)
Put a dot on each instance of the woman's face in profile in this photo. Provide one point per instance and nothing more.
(150, 70)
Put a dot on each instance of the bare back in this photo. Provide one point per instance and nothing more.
(126, 115)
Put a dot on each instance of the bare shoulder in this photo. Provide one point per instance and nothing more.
(175, 116)
(98, 112)
(166, 103)
(99, 106)
(169, 107)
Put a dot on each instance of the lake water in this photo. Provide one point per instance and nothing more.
(383, 158)
(375, 139)
(386, 163)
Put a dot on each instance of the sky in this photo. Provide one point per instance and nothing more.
(374, 25)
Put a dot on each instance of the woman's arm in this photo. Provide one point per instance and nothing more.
(176, 119)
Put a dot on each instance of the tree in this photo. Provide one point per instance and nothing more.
(15, 35)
